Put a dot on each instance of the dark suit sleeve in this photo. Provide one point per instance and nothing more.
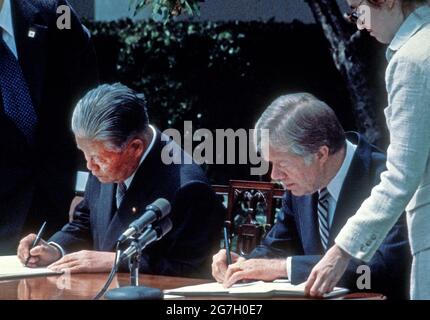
(389, 267)
(187, 250)
(76, 235)
(282, 240)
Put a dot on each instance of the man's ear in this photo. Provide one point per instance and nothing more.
(322, 154)
(137, 146)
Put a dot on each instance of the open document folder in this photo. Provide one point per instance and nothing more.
(11, 268)
(256, 289)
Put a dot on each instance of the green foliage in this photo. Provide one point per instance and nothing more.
(164, 10)
(168, 62)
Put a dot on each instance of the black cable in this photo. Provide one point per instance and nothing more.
(111, 275)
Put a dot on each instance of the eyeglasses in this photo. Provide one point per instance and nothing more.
(353, 15)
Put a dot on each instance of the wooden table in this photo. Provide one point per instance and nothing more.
(86, 286)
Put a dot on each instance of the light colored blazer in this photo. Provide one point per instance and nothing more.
(405, 185)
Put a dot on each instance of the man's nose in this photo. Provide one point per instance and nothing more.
(276, 173)
(91, 165)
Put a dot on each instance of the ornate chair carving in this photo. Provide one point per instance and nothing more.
(251, 209)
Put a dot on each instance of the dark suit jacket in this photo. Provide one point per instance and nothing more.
(59, 66)
(196, 214)
(296, 232)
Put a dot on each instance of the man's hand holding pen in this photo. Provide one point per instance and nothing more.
(219, 264)
(48, 255)
(43, 254)
(253, 270)
(242, 269)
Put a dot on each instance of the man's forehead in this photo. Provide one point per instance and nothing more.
(275, 153)
(95, 146)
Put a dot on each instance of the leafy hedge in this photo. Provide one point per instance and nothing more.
(220, 75)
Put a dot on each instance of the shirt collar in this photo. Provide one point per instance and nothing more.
(145, 154)
(6, 18)
(336, 183)
(413, 23)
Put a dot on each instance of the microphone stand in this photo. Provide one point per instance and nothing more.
(134, 291)
(134, 268)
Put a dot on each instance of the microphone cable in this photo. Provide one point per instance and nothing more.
(111, 274)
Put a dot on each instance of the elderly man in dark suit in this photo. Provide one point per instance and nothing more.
(43, 72)
(327, 175)
(124, 154)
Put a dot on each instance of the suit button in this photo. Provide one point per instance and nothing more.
(374, 237)
(363, 248)
(368, 243)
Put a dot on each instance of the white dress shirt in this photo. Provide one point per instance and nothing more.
(6, 26)
(334, 187)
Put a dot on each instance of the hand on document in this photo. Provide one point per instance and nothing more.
(45, 254)
(327, 272)
(259, 289)
(41, 255)
(85, 261)
(242, 269)
(255, 269)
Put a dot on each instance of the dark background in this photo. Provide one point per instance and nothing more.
(223, 75)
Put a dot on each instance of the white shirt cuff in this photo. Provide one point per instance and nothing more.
(56, 245)
(289, 259)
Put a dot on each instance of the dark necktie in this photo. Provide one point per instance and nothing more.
(323, 218)
(17, 102)
(121, 189)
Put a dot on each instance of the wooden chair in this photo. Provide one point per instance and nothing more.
(251, 209)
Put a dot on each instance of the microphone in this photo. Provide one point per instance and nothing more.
(156, 211)
(151, 234)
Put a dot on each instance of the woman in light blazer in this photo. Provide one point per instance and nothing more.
(405, 185)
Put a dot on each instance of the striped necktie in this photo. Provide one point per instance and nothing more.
(15, 93)
(323, 218)
(121, 189)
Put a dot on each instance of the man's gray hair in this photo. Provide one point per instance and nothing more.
(112, 114)
(300, 124)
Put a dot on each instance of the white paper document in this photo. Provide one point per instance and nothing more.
(253, 289)
(11, 267)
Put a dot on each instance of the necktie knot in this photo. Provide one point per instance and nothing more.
(324, 195)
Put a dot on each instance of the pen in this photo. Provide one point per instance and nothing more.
(228, 254)
(227, 245)
(36, 241)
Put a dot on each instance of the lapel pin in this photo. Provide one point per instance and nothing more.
(32, 33)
